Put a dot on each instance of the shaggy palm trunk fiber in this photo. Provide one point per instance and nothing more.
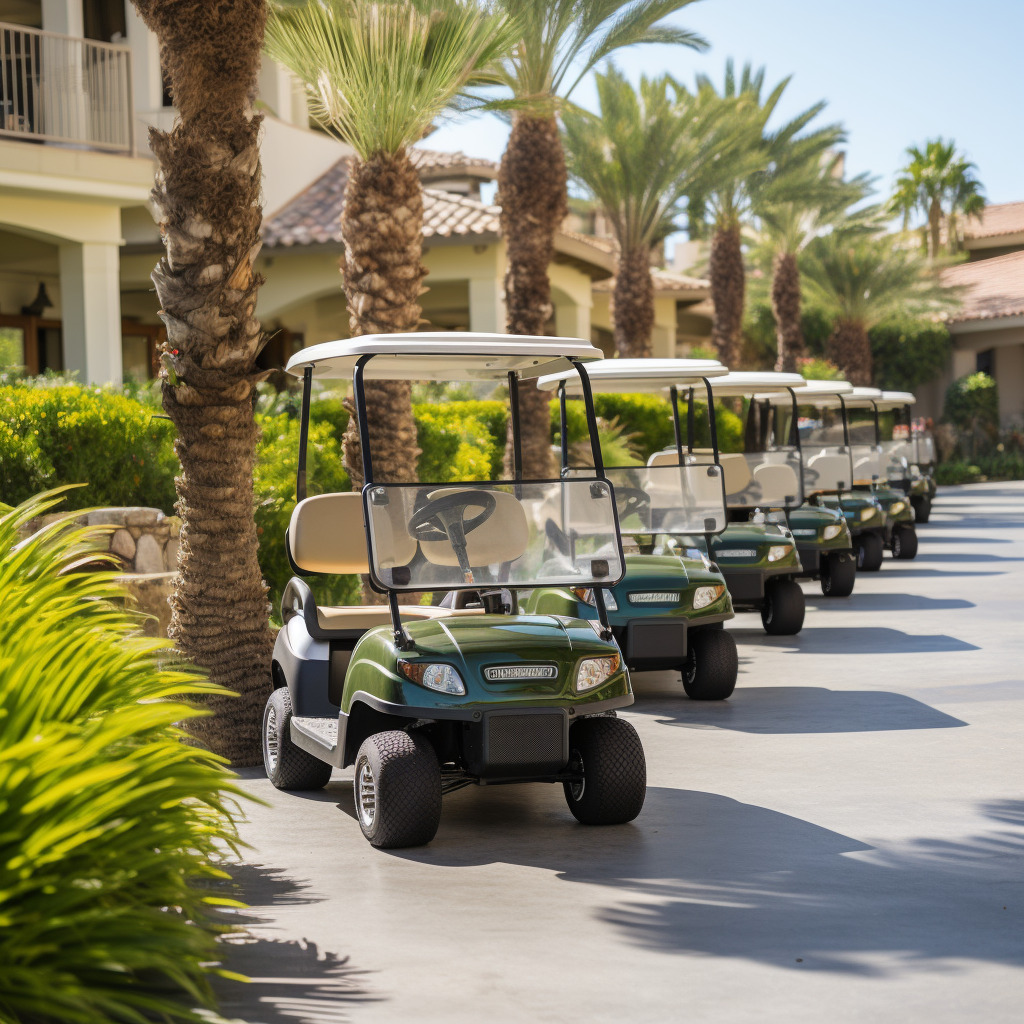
(382, 228)
(532, 192)
(727, 286)
(633, 304)
(208, 199)
(850, 349)
(786, 309)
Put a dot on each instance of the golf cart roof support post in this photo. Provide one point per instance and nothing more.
(517, 439)
(794, 430)
(846, 423)
(364, 427)
(563, 426)
(712, 425)
(588, 403)
(691, 422)
(676, 430)
(403, 641)
(878, 425)
(307, 394)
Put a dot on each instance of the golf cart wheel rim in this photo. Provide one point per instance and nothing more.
(366, 794)
(271, 739)
(690, 666)
(576, 789)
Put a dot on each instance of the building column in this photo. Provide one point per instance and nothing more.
(64, 16)
(487, 305)
(572, 320)
(90, 300)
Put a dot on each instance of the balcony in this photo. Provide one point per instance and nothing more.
(65, 89)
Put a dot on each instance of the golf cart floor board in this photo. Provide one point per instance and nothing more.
(318, 736)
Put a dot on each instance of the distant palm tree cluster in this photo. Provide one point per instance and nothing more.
(377, 74)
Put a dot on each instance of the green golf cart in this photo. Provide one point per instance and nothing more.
(901, 444)
(423, 700)
(668, 610)
(872, 464)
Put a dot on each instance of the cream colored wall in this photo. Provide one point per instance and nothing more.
(663, 336)
(1007, 344)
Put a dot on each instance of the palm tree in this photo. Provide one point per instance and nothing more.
(724, 195)
(940, 183)
(560, 41)
(377, 74)
(635, 158)
(208, 199)
(860, 279)
(805, 196)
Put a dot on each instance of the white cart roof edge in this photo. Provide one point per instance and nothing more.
(443, 356)
(638, 376)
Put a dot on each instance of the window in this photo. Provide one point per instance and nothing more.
(986, 362)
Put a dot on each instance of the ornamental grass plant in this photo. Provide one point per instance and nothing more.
(112, 828)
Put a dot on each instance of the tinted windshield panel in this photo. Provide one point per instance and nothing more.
(669, 498)
(753, 479)
(445, 536)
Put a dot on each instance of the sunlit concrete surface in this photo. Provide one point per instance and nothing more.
(843, 840)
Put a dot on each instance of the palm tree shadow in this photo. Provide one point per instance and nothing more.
(290, 981)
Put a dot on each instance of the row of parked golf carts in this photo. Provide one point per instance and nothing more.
(548, 592)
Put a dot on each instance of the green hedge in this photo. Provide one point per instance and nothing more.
(998, 466)
(462, 440)
(114, 827)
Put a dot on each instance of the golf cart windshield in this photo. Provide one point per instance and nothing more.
(924, 447)
(452, 536)
(758, 479)
(826, 458)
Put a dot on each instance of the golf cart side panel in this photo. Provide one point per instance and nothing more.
(303, 664)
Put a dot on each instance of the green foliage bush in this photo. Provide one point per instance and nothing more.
(997, 466)
(972, 406)
(817, 368)
(58, 433)
(906, 353)
(461, 440)
(111, 823)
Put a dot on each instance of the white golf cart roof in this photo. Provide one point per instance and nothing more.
(743, 383)
(444, 356)
(636, 376)
(862, 397)
(895, 399)
(822, 393)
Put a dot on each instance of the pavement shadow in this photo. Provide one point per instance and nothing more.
(966, 556)
(861, 602)
(290, 981)
(700, 874)
(858, 640)
(793, 710)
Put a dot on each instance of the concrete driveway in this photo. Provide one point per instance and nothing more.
(843, 840)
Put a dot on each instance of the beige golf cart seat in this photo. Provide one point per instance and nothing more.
(326, 535)
(734, 468)
(831, 473)
(776, 483)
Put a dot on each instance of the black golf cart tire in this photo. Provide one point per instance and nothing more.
(922, 508)
(407, 780)
(711, 666)
(782, 613)
(904, 543)
(870, 552)
(614, 772)
(295, 768)
(838, 574)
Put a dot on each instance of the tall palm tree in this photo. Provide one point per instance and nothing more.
(805, 196)
(635, 157)
(861, 279)
(208, 199)
(939, 182)
(722, 198)
(377, 74)
(560, 41)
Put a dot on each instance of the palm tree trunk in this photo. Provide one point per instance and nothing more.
(208, 199)
(727, 287)
(382, 227)
(849, 347)
(934, 227)
(786, 309)
(533, 194)
(633, 303)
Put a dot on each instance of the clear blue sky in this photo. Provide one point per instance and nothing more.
(895, 72)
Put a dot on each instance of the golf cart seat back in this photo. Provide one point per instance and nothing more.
(326, 535)
(827, 472)
(707, 489)
(737, 473)
(503, 537)
(778, 484)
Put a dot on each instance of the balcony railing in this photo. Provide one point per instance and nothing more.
(65, 89)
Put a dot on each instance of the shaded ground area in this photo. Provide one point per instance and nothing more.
(842, 840)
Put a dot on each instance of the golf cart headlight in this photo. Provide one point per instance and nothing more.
(703, 596)
(594, 671)
(897, 507)
(866, 514)
(777, 551)
(915, 472)
(443, 678)
(831, 532)
(586, 595)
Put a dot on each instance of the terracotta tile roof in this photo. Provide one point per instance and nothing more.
(436, 163)
(990, 288)
(664, 281)
(995, 220)
(313, 216)
(605, 245)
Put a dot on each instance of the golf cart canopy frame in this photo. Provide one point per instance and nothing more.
(447, 357)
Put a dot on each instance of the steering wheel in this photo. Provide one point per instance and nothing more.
(444, 518)
(631, 499)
